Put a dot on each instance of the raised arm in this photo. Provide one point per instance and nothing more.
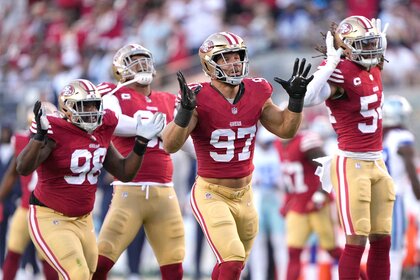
(39, 147)
(178, 130)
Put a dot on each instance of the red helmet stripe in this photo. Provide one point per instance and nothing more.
(231, 38)
(365, 22)
(88, 85)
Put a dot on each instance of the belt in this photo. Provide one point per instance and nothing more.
(35, 201)
(228, 192)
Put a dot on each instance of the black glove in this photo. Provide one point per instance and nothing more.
(296, 85)
(188, 101)
(41, 122)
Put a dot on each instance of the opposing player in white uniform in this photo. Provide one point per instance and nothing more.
(399, 155)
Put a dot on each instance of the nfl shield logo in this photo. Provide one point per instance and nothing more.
(234, 110)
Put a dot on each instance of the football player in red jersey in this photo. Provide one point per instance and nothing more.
(222, 117)
(351, 87)
(149, 199)
(19, 239)
(307, 207)
(68, 153)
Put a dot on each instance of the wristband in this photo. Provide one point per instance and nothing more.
(295, 105)
(140, 145)
(38, 137)
(183, 117)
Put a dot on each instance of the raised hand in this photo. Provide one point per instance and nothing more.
(42, 122)
(296, 85)
(188, 101)
(148, 130)
(333, 54)
(187, 95)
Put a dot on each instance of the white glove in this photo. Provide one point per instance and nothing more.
(378, 24)
(333, 55)
(151, 128)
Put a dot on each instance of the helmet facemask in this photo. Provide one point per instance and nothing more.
(215, 48)
(233, 68)
(134, 64)
(81, 104)
(85, 119)
(363, 41)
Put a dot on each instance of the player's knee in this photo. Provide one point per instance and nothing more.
(236, 250)
(79, 272)
(105, 247)
(362, 226)
(177, 229)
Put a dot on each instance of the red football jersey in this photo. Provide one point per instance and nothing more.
(224, 137)
(157, 164)
(27, 183)
(357, 118)
(298, 170)
(67, 179)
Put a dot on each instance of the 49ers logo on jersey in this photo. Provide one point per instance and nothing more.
(207, 46)
(68, 90)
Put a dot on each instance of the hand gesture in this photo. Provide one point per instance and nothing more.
(296, 85)
(333, 54)
(188, 101)
(42, 122)
(150, 129)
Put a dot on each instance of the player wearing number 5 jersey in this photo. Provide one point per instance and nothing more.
(222, 116)
(68, 153)
(149, 199)
(351, 87)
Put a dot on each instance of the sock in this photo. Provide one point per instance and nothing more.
(293, 268)
(335, 253)
(11, 265)
(230, 270)
(216, 272)
(172, 271)
(378, 265)
(104, 266)
(49, 271)
(349, 264)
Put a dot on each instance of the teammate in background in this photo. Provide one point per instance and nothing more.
(222, 116)
(149, 199)
(69, 152)
(19, 238)
(267, 184)
(306, 207)
(399, 154)
(351, 87)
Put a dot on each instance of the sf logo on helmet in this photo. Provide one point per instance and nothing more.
(207, 46)
(67, 90)
(345, 29)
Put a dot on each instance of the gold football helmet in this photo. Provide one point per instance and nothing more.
(75, 102)
(363, 40)
(396, 111)
(126, 68)
(214, 47)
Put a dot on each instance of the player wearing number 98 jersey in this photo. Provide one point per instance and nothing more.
(222, 116)
(351, 86)
(68, 153)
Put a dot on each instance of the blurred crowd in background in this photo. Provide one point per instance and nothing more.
(45, 44)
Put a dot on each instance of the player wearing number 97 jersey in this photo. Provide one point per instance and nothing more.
(351, 86)
(222, 116)
(68, 153)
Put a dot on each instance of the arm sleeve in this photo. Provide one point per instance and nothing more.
(318, 89)
(126, 126)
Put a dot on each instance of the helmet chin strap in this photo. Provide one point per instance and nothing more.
(140, 78)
